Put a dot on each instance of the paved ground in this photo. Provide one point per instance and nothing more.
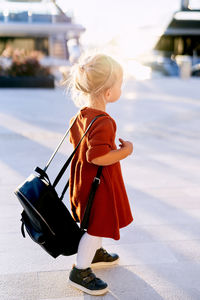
(160, 250)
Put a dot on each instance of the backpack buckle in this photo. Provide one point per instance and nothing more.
(97, 179)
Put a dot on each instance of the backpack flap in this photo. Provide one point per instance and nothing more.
(33, 195)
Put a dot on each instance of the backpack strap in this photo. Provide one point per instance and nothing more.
(22, 229)
(96, 180)
(64, 190)
(62, 171)
(95, 184)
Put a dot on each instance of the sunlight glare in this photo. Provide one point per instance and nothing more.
(136, 70)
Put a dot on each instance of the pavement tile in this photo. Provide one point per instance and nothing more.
(185, 250)
(143, 253)
(108, 296)
(178, 276)
(187, 294)
(66, 298)
(168, 232)
(57, 286)
(19, 286)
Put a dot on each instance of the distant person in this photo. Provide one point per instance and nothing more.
(96, 81)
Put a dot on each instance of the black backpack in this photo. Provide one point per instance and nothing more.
(45, 217)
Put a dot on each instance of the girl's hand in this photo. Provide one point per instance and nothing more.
(126, 145)
(112, 157)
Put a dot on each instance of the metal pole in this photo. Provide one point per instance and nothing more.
(66, 133)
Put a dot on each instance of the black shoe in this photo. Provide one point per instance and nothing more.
(86, 281)
(103, 258)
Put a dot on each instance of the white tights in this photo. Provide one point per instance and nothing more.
(86, 250)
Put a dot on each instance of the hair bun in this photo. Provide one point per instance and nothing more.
(92, 75)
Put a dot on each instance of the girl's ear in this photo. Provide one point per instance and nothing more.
(107, 94)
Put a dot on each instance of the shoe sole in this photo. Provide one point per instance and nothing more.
(90, 292)
(104, 264)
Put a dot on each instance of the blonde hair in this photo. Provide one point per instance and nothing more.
(91, 76)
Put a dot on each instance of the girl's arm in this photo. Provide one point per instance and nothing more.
(126, 148)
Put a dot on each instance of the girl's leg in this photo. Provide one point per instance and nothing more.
(87, 249)
(81, 275)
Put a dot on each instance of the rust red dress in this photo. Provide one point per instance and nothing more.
(111, 209)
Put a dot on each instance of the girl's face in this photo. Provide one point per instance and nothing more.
(114, 93)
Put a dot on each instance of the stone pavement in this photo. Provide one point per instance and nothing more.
(160, 250)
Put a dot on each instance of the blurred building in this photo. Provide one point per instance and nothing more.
(38, 25)
(182, 35)
(179, 45)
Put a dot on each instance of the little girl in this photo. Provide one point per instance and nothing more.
(97, 79)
